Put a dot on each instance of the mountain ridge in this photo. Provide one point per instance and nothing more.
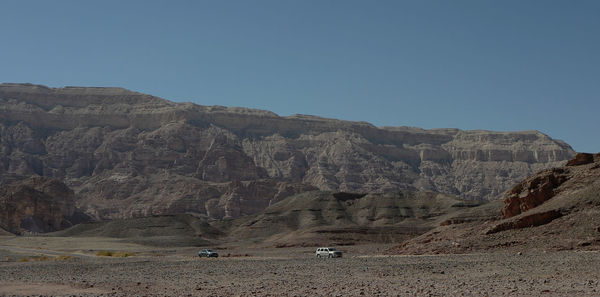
(119, 149)
(29, 88)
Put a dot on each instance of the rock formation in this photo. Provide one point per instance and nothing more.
(38, 205)
(544, 185)
(583, 158)
(555, 209)
(127, 154)
(533, 191)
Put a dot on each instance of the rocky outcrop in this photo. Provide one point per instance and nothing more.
(127, 154)
(555, 209)
(38, 205)
(532, 220)
(544, 185)
(582, 159)
(533, 191)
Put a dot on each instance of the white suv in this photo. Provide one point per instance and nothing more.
(328, 252)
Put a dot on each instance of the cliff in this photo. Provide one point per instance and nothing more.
(38, 205)
(128, 154)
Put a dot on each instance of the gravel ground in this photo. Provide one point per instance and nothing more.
(565, 273)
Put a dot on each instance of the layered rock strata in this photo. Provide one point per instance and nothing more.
(128, 154)
(544, 185)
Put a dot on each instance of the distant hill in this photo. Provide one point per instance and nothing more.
(306, 219)
(127, 154)
(167, 230)
(344, 218)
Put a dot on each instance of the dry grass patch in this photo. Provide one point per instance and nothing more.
(114, 254)
(62, 258)
(44, 258)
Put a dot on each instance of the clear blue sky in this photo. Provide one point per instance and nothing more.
(496, 65)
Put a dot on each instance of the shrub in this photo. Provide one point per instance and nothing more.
(62, 258)
(123, 254)
(42, 258)
(115, 254)
(105, 253)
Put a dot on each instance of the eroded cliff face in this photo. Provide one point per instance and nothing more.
(546, 184)
(37, 204)
(129, 154)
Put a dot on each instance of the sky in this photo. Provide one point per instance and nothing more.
(496, 65)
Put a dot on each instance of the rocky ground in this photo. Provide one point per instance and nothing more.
(294, 272)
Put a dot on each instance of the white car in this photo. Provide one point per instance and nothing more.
(207, 253)
(327, 252)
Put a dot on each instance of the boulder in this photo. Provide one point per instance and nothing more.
(581, 159)
(532, 220)
(533, 191)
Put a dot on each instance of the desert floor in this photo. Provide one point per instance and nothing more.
(69, 266)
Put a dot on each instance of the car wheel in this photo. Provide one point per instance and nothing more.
(330, 256)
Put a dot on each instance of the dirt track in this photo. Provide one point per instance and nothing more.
(545, 274)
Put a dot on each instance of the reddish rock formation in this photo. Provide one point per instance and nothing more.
(541, 187)
(581, 159)
(555, 209)
(535, 219)
(533, 191)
